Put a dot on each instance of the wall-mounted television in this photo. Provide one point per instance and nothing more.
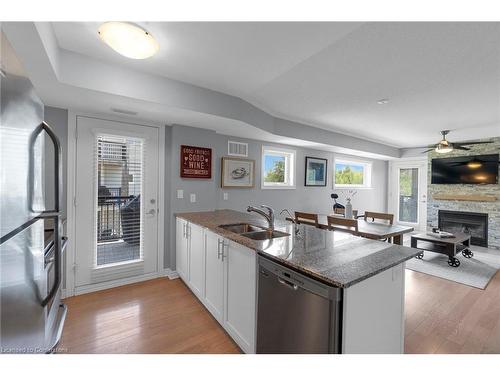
(477, 169)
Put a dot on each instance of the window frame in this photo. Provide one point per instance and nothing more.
(367, 173)
(290, 167)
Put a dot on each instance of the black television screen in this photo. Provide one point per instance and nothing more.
(478, 169)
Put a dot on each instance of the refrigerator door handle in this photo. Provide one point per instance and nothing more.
(57, 167)
(57, 260)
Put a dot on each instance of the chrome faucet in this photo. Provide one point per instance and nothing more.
(290, 216)
(296, 224)
(269, 216)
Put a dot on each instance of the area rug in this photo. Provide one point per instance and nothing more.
(476, 272)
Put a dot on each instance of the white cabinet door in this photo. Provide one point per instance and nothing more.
(240, 298)
(196, 240)
(214, 276)
(182, 250)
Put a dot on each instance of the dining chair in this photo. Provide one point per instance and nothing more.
(339, 223)
(380, 216)
(306, 218)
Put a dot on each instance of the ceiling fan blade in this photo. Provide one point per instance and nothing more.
(471, 143)
(429, 150)
(458, 147)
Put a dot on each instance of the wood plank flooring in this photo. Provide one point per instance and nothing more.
(163, 316)
(446, 317)
(156, 316)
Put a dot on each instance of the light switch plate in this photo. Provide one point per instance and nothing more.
(180, 194)
(192, 198)
(226, 196)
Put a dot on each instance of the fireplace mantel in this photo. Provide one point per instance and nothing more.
(465, 197)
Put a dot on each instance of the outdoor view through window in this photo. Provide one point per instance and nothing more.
(274, 168)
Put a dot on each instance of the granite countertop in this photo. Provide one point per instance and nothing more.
(336, 258)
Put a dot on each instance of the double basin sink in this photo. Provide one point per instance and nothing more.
(253, 232)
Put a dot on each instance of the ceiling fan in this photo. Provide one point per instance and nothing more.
(444, 146)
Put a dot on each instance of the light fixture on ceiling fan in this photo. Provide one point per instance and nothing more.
(444, 146)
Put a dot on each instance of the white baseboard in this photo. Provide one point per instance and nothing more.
(170, 274)
(167, 272)
(115, 283)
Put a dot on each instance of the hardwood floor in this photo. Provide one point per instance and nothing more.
(163, 316)
(156, 316)
(446, 317)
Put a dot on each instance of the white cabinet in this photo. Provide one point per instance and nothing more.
(214, 275)
(182, 250)
(222, 274)
(240, 294)
(196, 245)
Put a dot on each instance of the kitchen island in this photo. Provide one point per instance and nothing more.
(221, 268)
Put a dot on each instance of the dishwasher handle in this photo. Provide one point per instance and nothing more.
(288, 284)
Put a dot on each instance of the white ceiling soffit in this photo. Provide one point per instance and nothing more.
(72, 80)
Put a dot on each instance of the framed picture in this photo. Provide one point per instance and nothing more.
(237, 173)
(316, 171)
(196, 162)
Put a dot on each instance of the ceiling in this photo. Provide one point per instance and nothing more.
(331, 75)
(279, 77)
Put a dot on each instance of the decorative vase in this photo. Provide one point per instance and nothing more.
(348, 209)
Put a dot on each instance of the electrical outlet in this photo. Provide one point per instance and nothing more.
(192, 198)
(180, 194)
(226, 196)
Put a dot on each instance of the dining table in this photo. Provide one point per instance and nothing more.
(369, 229)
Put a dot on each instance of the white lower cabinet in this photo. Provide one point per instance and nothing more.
(222, 274)
(240, 295)
(182, 249)
(196, 238)
(214, 276)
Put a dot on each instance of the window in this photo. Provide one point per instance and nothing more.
(353, 174)
(278, 168)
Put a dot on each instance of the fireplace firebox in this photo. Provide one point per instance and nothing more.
(473, 223)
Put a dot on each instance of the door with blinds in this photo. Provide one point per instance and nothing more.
(116, 201)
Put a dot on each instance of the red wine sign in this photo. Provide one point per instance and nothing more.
(196, 162)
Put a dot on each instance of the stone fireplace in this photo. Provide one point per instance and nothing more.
(482, 218)
(473, 223)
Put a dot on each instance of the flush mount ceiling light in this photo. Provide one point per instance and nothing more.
(128, 39)
(383, 101)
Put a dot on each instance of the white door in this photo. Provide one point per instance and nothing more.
(408, 193)
(182, 249)
(197, 260)
(214, 275)
(116, 201)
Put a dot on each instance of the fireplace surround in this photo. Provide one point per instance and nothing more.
(473, 223)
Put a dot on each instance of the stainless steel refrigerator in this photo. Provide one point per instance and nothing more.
(31, 245)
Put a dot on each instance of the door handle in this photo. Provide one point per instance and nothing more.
(151, 212)
(218, 247)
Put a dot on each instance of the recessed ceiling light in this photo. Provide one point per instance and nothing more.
(383, 101)
(128, 39)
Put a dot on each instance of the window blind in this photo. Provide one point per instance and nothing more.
(119, 183)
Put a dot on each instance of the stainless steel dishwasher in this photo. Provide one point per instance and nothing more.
(296, 314)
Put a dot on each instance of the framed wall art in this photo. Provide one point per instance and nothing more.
(316, 171)
(237, 173)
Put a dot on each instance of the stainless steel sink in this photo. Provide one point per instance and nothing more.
(242, 228)
(265, 235)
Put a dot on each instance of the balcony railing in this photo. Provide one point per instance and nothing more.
(110, 217)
